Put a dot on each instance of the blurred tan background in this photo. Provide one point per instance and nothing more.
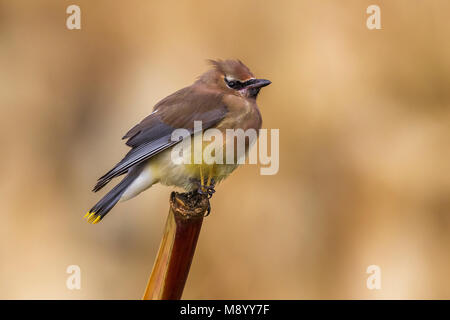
(364, 125)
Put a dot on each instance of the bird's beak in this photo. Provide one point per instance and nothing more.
(259, 83)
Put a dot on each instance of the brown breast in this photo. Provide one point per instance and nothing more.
(242, 113)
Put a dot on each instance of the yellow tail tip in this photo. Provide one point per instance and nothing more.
(96, 220)
(92, 217)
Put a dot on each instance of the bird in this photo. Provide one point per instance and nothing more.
(223, 98)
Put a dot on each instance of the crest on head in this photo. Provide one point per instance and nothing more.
(232, 77)
(232, 69)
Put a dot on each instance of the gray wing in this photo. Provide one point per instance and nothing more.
(154, 134)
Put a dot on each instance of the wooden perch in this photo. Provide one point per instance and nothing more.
(172, 264)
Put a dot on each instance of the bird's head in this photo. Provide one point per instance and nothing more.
(233, 77)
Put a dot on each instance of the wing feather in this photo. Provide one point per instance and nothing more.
(153, 134)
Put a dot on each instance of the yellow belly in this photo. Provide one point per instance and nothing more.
(183, 175)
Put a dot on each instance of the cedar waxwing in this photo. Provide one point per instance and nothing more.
(222, 98)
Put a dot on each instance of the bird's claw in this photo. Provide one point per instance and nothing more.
(208, 210)
(206, 189)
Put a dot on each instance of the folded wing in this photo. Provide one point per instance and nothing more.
(153, 134)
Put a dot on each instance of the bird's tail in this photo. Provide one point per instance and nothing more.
(99, 211)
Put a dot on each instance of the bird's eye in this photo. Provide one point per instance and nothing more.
(232, 84)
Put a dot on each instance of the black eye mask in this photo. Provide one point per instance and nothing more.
(238, 85)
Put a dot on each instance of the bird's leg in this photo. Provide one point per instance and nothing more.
(200, 184)
(208, 181)
(201, 180)
(199, 192)
(210, 184)
(206, 186)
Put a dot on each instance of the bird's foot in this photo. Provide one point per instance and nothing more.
(205, 189)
